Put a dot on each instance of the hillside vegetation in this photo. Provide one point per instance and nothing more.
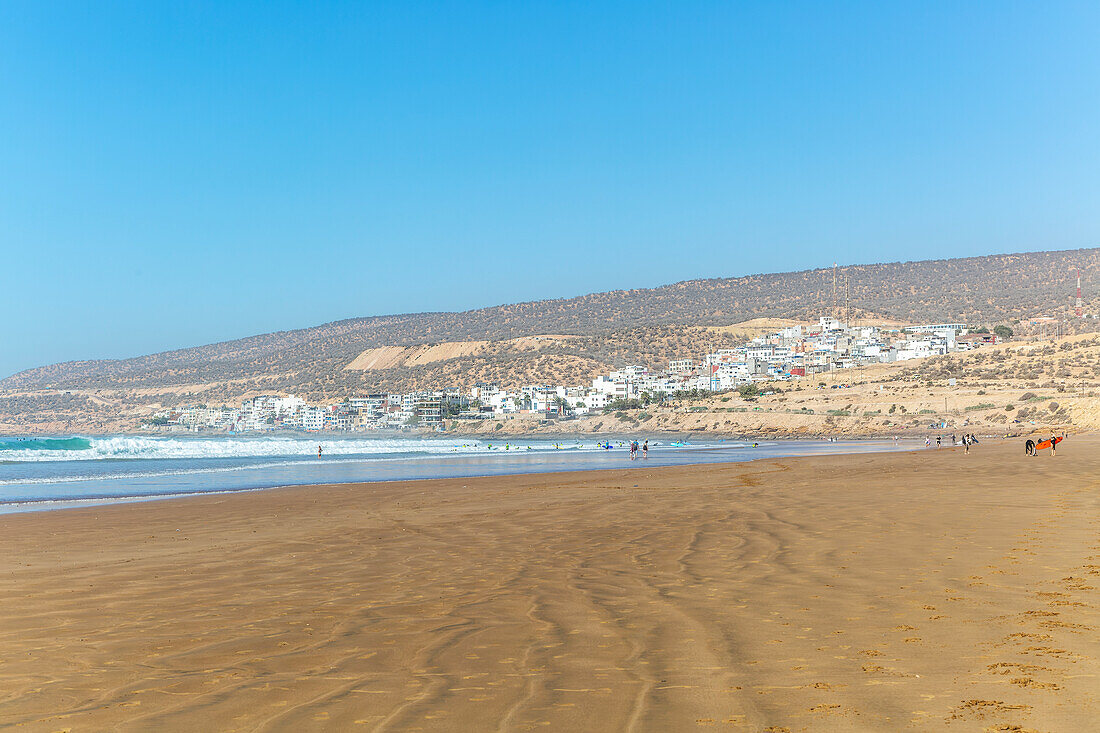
(569, 340)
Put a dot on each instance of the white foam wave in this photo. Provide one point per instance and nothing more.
(127, 447)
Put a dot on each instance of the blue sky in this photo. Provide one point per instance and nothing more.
(178, 174)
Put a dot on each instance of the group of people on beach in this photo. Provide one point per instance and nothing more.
(634, 450)
(1032, 448)
(968, 439)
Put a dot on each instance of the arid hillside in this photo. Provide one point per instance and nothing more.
(558, 341)
(1015, 389)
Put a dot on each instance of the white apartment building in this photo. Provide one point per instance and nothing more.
(615, 389)
(791, 332)
(760, 352)
(482, 391)
(914, 350)
(313, 418)
(287, 405)
(681, 366)
(933, 327)
(630, 372)
(596, 400)
(544, 399)
(724, 355)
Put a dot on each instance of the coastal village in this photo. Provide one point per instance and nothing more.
(791, 353)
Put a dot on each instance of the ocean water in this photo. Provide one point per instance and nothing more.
(40, 473)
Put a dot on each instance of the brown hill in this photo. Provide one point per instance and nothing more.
(604, 329)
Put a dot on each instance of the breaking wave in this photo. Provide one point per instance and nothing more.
(21, 450)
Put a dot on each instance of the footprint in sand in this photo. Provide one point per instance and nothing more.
(1034, 684)
(979, 709)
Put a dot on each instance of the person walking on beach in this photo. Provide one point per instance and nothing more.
(939, 439)
(927, 441)
(966, 444)
(1053, 444)
(645, 449)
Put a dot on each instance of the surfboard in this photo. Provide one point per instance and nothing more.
(1046, 443)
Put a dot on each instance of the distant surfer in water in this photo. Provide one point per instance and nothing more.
(318, 452)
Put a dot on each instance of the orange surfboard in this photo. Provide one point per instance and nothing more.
(1046, 443)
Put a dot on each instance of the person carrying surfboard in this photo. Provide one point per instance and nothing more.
(1053, 444)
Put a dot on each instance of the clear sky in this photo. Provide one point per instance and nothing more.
(173, 174)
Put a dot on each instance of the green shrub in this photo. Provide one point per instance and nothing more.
(748, 390)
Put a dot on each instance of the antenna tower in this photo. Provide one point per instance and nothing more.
(834, 314)
(847, 309)
(1078, 311)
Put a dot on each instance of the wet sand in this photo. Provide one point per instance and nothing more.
(926, 591)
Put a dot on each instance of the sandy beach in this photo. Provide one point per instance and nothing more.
(925, 591)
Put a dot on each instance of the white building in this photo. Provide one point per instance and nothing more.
(681, 366)
(791, 332)
(313, 418)
(933, 327)
(544, 399)
(615, 389)
(596, 400)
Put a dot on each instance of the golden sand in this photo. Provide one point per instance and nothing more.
(922, 591)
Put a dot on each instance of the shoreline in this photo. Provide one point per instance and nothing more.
(110, 501)
(911, 590)
(419, 467)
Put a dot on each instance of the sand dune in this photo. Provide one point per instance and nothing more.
(919, 591)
